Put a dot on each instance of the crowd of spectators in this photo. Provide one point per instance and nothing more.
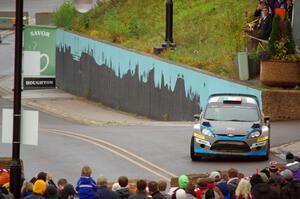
(264, 13)
(276, 181)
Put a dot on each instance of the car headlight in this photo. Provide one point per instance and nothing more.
(197, 127)
(254, 134)
(207, 132)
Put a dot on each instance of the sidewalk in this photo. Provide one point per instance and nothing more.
(61, 104)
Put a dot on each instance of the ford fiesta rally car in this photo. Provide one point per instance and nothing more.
(231, 125)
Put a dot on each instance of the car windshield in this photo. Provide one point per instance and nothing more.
(224, 112)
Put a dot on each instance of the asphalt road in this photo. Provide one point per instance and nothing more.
(166, 147)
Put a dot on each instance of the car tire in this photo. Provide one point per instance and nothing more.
(192, 152)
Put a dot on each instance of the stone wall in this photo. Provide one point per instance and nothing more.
(281, 104)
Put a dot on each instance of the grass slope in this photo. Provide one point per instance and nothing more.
(208, 33)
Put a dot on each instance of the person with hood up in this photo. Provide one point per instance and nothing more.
(103, 192)
(260, 189)
(39, 189)
(141, 186)
(86, 186)
(123, 192)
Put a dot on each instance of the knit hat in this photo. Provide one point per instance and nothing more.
(287, 174)
(39, 187)
(69, 190)
(289, 157)
(264, 177)
(4, 178)
(180, 194)
(214, 175)
(51, 192)
(255, 179)
(183, 181)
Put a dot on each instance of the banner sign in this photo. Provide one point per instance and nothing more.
(39, 57)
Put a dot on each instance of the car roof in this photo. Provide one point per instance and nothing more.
(242, 98)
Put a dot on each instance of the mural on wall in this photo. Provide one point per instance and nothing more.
(135, 82)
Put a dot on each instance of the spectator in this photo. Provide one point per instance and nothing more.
(289, 8)
(86, 186)
(102, 191)
(60, 185)
(39, 189)
(290, 158)
(5, 194)
(275, 184)
(265, 26)
(141, 189)
(201, 187)
(182, 183)
(280, 4)
(162, 187)
(68, 192)
(243, 190)
(180, 194)
(51, 192)
(233, 180)
(261, 190)
(291, 190)
(123, 192)
(295, 168)
(47, 177)
(153, 190)
(115, 187)
(190, 193)
(26, 189)
(260, 6)
(222, 185)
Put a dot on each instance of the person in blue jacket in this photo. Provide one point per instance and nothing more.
(86, 186)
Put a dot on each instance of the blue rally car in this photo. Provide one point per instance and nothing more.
(231, 125)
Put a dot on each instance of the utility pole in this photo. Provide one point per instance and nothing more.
(169, 22)
(15, 167)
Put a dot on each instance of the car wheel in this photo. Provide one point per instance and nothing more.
(192, 152)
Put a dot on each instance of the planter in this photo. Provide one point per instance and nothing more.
(280, 73)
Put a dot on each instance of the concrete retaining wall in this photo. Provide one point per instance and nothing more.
(133, 81)
(281, 104)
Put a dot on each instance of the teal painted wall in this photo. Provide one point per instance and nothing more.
(121, 60)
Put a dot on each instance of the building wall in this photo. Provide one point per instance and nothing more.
(135, 82)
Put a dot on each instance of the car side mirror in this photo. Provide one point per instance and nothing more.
(267, 121)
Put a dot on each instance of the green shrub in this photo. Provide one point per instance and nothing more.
(85, 20)
(113, 24)
(65, 15)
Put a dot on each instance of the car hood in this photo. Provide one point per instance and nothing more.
(233, 128)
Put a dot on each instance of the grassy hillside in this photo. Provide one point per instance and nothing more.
(207, 32)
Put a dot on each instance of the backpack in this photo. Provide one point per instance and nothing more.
(174, 193)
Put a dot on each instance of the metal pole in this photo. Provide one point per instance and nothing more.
(169, 22)
(15, 167)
